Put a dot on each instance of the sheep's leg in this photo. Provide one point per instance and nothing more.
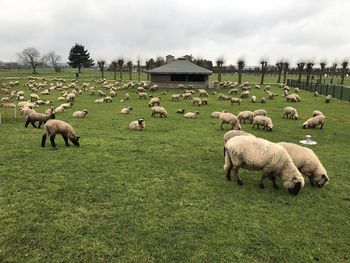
(261, 185)
(33, 124)
(40, 122)
(65, 138)
(52, 140)
(43, 140)
(227, 165)
(27, 123)
(254, 125)
(273, 179)
(238, 178)
(321, 126)
(244, 121)
(311, 182)
(221, 125)
(284, 115)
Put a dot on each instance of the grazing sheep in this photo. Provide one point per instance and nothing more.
(264, 121)
(307, 163)
(182, 111)
(315, 121)
(101, 93)
(328, 98)
(126, 110)
(297, 97)
(233, 91)
(197, 101)
(34, 97)
(231, 119)
(216, 114)
(296, 90)
(253, 153)
(138, 125)
(257, 86)
(316, 112)
(41, 118)
(54, 127)
(99, 101)
(186, 96)
(175, 97)
(285, 93)
(291, 98)
(263, 100)
(221, 96)
(142, 95)
(158, 110)
(203, 92)
(191, 115)
(253, 98)
(290, 112)
(70, 97)
(245, 115)
(80, 114)
(244, 94)
(60, 109)
(49, 111)
(107, 99)
(112, 93)
(26, 111)
(315, 94)
(7, 105)
(154, 101)
(235, 100)
(260, 112)
(271, 95)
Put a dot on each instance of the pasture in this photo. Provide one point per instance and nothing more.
(161, 195)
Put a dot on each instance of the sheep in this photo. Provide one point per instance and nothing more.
(99, 101)
(142, 95)
(296, 96)
(235, 100)
(80, 114)
(271, 95)
(285, 93)
(107, 99)
(7, 105)
(204, 102)
(291, 98)
(315, 94)
(233, 133)
(197, 101)
(257, 86)
(61, 98)
(260, 112)
(70, 97)
(245, 115)
(138, 125)
(254, 153)
(291, 113)
(221, 96)
(49, 110)
(175, 97)
(154, 101)
(112, 93)
(244, 94)
(67, 105)
(126, 110)
(315, 121)
(316, 112)
(54, 127)
(191, 115)
(296, 90)
(35, 116)
(34, 97)
(140, 89)
(328, 98)
(159, 110)
(307, 163)
(101, 93)
(186, 96)
(216, 114)
(229, 118)
(182, 111)
(253, 98)
(126, 96)
(263, 100)
(26, 111)
(233, 91)
(203, 92)
(266, 122)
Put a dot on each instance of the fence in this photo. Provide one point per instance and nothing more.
(337, 91)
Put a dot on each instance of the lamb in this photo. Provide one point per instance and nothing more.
(307, 163)
(263, 100)
(175, 97)
(315, 121)
(216, 114)
(328, 98)
(197, 101)
(235, 100)
(264, 121)
(258, 154)
(316, 112)
(245, 115)
(26, 111)
(142, 95)
(181, 111)
(260, 112)
(296, 96)
(138, 125)
(35, 116)
(80, 114)
(60, 109)
(204, 102)
(191, 115)
(54, 127)
(271, 95)
(315, 94)
(229, 118)
(285, 93)
(290, 112)
(159, 110)
(291, 98)
(126, 110)
(253, 98)
(154, 101)
(99, 101)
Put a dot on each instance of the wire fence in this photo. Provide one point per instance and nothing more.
(337, 91)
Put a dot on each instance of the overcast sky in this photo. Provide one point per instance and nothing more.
(314, 29)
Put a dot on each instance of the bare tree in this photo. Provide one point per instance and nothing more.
(263, 63)
(344, 69)
(138, 69)
(279, 66)
(322, 69)
(149, 65)
(120, 65)
(114, 66)
(101, 64)
(285, 71)
(129, 65)
(300, 65)
(219, 63)
(309, 66)
(53, 58)
(241, 64)
(333, 70)
(31, 56)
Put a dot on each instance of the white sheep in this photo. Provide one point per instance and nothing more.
(264, 121)
(191, 115)
(203, 92)
(253, 98)
(41, 118)
(197, 101)
(315, 121)
(216, 114)
(316, 94)
(263, 100)
(245, 115)
(244, 94)
(54, 127)
(126, 110)
(229, 118)
(316, 112)
(253, 153)
(138, 125)
(235, 100)
(307, 163)
(291, 113)
(80, 114)
(291, 98)
(99, 101)
(60, 109)
(260, 112)
(142, 95)
(328, 98)
(158, 110)
(154, 101)
(175, 97)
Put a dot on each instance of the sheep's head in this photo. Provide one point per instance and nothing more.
(75, 140)
(294, 183)
(319, 177)
(296, 116)
(305, 125)
(52, 115)
(269, 127)
(86, 112)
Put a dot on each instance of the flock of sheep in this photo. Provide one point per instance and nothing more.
(242, 150)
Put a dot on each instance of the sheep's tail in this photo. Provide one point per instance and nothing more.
(228, 162)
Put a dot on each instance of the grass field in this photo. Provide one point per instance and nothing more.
(161, 195)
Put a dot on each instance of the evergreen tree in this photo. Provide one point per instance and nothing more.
(79, 57)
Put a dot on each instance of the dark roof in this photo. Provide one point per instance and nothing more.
(180, 66)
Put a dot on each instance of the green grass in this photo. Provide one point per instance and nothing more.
(161, 195)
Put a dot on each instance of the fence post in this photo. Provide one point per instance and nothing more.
(333, 91)
(341, 92)
(327, 90)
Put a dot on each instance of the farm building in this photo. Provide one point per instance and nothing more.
(180, 71)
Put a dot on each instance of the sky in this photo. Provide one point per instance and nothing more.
(109, 29)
